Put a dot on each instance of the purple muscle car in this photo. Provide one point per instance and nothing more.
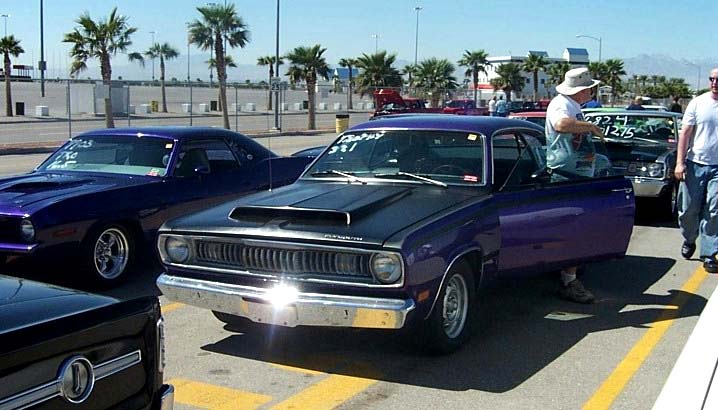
(396, 225)
(103, 194)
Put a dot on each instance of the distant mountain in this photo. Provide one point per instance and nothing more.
(658, 64)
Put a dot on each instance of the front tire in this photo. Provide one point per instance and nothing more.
(109, 252)
(668, 203)
(453, 318)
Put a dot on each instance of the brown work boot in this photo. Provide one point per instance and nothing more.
(575, 292)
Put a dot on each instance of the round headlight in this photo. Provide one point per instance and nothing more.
(655, 170)
(177, 249)
(386, 267)
(27, 230)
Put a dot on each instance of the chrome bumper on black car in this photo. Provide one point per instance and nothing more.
(167, 397)
(649, 187)
(285, 306)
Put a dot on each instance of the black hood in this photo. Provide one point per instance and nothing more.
(637, 150)
(24, 302)
(324, 211)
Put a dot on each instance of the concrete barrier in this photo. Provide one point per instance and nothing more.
(236, 107)
(42, 111)
(338, 106)
(145, 109)
(323, 106)
(297, 106)
(187, 108)
(251, 107)
(284, 107)
(203, 108)
(131, 109)
(369, 106)
(359, 106)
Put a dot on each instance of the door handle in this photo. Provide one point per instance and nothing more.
(625, 190)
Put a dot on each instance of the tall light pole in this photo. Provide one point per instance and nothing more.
(376, 42)
(416, 40)
(42, 64)
(698, 83)
(593, 38)
(5, 16)
(153, 59)
(276, 74)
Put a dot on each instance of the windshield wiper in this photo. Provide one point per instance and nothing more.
(414, 176)
(335, 172)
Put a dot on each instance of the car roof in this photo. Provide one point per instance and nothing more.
(468, 123)
(173, 132)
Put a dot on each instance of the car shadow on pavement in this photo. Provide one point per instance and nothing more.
(515, 339)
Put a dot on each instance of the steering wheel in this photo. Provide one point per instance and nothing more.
(449, 169)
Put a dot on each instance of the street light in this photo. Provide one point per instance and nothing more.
(376, 42)
(593, 38)
(5, 16)
(42, 65)
(276, 74)
(153, 59)
(698, 83)
(416, 40)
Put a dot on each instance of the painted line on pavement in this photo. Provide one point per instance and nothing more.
(213, 397)
(622, 374)
(170, 307)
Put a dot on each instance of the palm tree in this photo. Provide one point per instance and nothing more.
(435, 76)
(409, 70)
(163, 52)
(377, 71)
(598, 70)
(475, 63)
(308, 64)
(9, 46)
(219, 23)
(643, 78)
(102, 40)
(350, 64)
(533, 64)
(270, 61)
(614, 71)
(509, 79)
(557, 71)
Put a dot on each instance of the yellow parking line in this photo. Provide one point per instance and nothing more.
(622, 374)
(296, 369)
(170, 307)
(327, 394)
(212, 397)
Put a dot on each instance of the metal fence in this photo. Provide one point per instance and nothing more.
(70, 107)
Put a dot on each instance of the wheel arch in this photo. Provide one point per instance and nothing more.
(473, 258)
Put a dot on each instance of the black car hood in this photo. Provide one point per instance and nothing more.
(637, 150)
(21, 194)
(25, 302)
(337, 212)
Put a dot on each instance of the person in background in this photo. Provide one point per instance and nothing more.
(676, 106)
(492, 106)
(637, 104)
(592, 103)
(697, 168)
(570, 152)
(502, 109)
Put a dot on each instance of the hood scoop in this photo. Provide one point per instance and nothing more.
(28, 187)
(349, 205)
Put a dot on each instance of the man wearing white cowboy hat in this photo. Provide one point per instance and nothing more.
(570, 153)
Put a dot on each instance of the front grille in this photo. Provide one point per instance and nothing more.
(283, 261)
(9, 229)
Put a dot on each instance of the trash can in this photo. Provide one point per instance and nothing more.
(342, 123)
(155, 105)
(19, 108)
(213, 105)
(305, 104)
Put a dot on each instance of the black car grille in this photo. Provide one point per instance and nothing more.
(280, 261)
(9, 229)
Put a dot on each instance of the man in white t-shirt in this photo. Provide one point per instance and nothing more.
(570, 153)
(492, 106)
(697, 167)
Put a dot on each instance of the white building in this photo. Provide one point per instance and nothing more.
(576, 57)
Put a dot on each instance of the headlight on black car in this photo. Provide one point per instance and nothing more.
(176, 249)
(646, 169)
(386, 267)
(27, 230)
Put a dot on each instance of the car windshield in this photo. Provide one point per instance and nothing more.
(114, 154)
(644, 126)
(447, 157)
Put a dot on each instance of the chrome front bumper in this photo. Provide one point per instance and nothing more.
(284, 306)
(651, 188)
(167, 398)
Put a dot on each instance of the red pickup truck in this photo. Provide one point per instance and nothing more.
(390, 102)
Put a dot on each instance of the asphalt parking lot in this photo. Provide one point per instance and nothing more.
(532, 350)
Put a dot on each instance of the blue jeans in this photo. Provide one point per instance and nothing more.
(698, 207)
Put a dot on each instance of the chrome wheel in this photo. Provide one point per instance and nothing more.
(111, 253)
(455, 306)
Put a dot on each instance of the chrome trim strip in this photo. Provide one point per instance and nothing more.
(279, 245)
(446, 272)
(50, 390)
(167, 400)
(290, 309)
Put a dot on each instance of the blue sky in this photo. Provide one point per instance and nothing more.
(446, 28)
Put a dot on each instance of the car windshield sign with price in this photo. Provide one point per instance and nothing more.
(656, 128)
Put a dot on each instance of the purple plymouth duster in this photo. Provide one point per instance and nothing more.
(396, 226)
